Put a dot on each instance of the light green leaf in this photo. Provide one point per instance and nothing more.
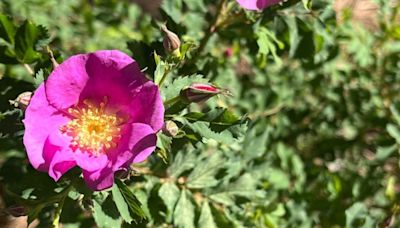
(184, 211)
(357, 216)
(173, 89)
(183, 161)
(206, 219)
(169, 193)
(105, 213)
(394, 131)
(384, 152)
(203, 175)
(159, 72)
(307, 4)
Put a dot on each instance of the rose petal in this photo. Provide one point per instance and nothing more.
(90, 162)
(65, 83)
(99, 180)
(37, 131)
(107, 73)
(58, 154)
(142, 142)
(257, 4)
(147, 107)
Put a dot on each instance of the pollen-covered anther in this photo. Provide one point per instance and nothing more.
(92, 128)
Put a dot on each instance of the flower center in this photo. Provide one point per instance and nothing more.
(93, 129)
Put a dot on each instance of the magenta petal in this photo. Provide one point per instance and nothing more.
(141, 144)
(147, 107)
(58, 154)
(257, 4)
(108, 73)
(99, 180)
(40, 119)
(65, 83)
(90, 162)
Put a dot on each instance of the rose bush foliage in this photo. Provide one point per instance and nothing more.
(277, 113)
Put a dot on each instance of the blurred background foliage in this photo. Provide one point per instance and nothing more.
(319, 86)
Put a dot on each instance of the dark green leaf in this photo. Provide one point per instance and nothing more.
(7, 28)
(128, 205)
(28, 35)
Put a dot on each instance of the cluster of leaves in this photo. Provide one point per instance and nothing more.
(320, 149)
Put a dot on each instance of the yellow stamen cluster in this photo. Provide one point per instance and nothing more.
(93, 129)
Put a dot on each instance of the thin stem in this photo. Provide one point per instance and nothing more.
(166, 72)
(210, 31)
(57, 213)
(29, 69)
(171, 101)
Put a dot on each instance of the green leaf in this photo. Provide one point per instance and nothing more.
(184, 211)
(357, 216)
(307, 4)
(128, 205)
(219, 118)
(122, 206)
(7, 55)
(267, 43)
(173, 89)
(384, 152)
(183, 161)
(105, 213)
(396, 114)
(245, 186)
(278, 179)
(159, 72)
(173, 9)
(169, 193)
(7, 29)
(164, 146)
(393, 131)
(203, 175)
(39, 78)
(203, 130)
(28, 35)
(206, 219)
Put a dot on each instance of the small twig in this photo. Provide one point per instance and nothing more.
(29, 69)
(52, 59)
(210, 31)
(57, 214)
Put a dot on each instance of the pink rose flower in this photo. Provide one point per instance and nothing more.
(96, 111)
(257, 4)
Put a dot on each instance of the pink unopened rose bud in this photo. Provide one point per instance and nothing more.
(200, 92)
(228, 52)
